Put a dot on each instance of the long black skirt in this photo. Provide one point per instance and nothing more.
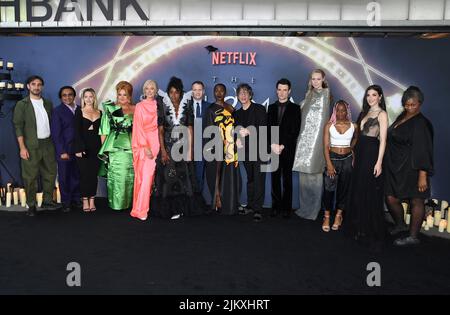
(364, 215)
(176, 191)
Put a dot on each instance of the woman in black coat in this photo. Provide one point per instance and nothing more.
(409, 165)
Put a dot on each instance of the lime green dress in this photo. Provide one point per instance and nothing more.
(117, 156)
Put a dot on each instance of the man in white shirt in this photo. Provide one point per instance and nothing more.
(32, 116)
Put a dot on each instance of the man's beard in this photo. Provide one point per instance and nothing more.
(34, 93)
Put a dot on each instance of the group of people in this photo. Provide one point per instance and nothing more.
(158, 155)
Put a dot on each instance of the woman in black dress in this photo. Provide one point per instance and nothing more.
(222, 173)
(176, 191)
(409, 165)
(364, 215)
(87, 145)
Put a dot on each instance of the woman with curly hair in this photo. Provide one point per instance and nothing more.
(115, 131)
(177, 192)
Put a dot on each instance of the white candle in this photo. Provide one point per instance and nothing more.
(1, 64)
(8, 199)
(23, 198)
(16, 198)
(430, 221)
(39, 199)
(437, 218)
(10, 86)
(408, 218)
(10, 66)
(405, 209)
(442, 225)
(424, 223)
(17, 85)
(448, 227)
(2, 85)
(58, 195)
(426, 228)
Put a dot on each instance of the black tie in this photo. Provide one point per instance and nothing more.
(281, 112)
(198, 113)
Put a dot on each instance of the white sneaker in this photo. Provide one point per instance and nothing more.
(176, 216)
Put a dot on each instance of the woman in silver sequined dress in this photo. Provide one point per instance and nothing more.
(309, 158)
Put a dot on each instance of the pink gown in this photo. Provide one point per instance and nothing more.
(145, 135)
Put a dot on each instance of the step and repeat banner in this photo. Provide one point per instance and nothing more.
(351, 64)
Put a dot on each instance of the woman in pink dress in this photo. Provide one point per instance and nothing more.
(145, 145)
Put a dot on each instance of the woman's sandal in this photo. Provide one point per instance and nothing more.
(93, 209)
(325, 225)
(86, 209)
(336, 225)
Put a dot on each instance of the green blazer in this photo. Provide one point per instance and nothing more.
(25, 121)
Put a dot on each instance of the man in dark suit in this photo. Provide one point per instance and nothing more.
(63, 135)
(287, 116)
(31, 119)
(199, 107)
(248, 119)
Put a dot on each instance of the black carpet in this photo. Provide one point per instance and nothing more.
(204, 255)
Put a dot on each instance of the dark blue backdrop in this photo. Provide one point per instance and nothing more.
(66, 60)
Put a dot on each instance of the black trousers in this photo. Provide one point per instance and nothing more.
(256, 181)
(340, 184)
(282, 199)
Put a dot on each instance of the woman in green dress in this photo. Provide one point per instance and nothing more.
(115, 130)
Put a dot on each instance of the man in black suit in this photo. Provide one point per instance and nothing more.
(248, 119)
(199, 107)
(287, 116)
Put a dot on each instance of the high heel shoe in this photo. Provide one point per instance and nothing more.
(93, 208)
(336, 224)
(86, 209)
(326, 223)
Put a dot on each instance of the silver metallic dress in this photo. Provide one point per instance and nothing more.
(309, 156)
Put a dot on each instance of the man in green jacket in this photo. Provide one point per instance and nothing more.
(31, 119)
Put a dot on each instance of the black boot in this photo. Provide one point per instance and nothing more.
(286, 214)
(257, 217)
(31, 211)
(77, 205)
(274, 212)
(407, 241)
(66, 208)
(50, 205)
(399, 229)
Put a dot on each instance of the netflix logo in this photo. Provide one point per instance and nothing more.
(233, 58)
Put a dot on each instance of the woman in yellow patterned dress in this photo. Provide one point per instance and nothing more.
(222, 174)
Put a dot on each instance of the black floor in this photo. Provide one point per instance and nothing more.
(204, 255)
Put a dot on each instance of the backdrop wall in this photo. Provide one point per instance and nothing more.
(351, 65)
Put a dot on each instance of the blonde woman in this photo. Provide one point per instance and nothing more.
(87, 145)
(309, 159)
(145, 146)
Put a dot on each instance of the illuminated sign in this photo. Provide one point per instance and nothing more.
(233, 57)
(47, 7)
